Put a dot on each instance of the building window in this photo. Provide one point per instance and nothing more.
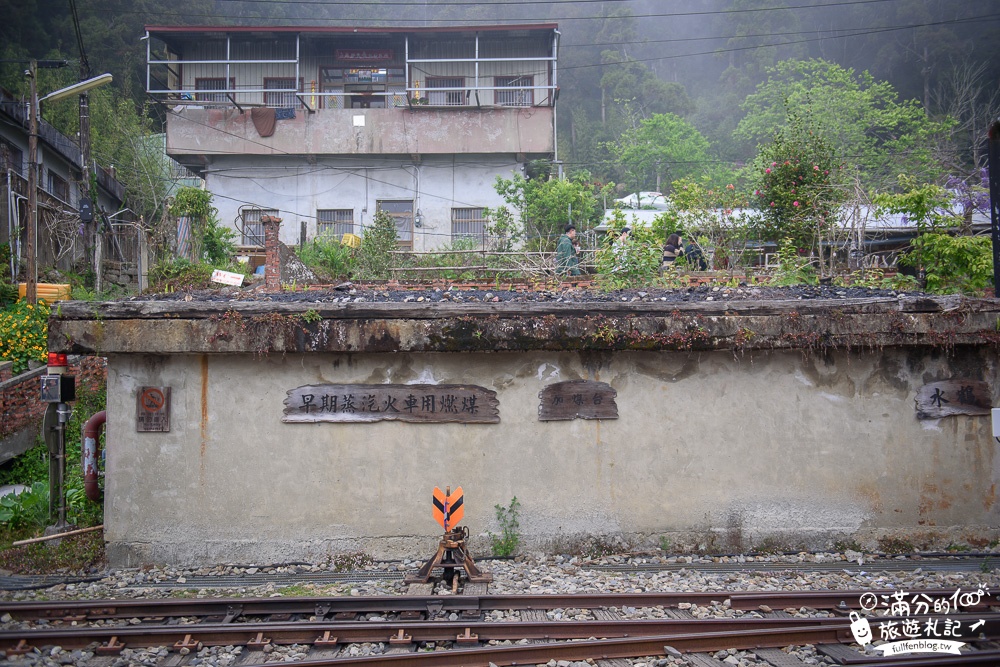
(280, 100)
(253, 228)
(333, 223)
(521, 95)
(213, 83)
(467, 223)
(451, 98)
(57, 186)
(11, 157)
(402, 213)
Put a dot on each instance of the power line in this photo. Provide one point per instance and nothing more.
(473, 21)
(874, 31)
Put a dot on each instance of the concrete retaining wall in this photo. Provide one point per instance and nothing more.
(718, 450)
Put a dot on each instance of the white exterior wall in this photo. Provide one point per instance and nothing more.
(298, 188)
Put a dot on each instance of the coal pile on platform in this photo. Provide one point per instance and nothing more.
(367, 293)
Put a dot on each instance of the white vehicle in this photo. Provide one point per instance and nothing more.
(638, 200)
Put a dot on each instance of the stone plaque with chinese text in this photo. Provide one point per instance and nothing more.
(577, 399)
(152, 410)
(953, 397)
(421, 403)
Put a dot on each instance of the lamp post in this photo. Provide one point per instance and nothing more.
(31, 279)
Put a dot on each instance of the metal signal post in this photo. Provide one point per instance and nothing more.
(452, 553)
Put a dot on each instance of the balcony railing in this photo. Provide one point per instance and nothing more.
(435, 71)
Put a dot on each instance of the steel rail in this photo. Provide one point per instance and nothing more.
(232, 608)
(629, 647)
(321, 606)
(407, 632)
(310, 632)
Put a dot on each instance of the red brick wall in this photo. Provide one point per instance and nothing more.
(20, 401)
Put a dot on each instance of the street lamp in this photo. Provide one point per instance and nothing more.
(31, 280)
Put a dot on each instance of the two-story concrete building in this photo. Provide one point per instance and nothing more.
(325, 126)
(59, 189)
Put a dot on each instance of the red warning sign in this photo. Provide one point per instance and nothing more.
(449, 507)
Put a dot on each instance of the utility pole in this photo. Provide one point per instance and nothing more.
(31, 279)
(994, 163)
(87, 194)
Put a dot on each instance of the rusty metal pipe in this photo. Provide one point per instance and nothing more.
(91, 446)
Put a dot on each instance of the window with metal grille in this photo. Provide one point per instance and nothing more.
(333, 223)
(253, 228)
(282, 100)
(57, 186)
(451, 98)
(521, 94)
(213, 83)
(467, 222)
(11, 157)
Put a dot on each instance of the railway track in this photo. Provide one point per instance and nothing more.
(413, 629)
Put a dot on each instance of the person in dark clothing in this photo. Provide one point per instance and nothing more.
(695, 257)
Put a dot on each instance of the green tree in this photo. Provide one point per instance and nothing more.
(860, 118)
(545, 205)
(797, 181)
(662, 145)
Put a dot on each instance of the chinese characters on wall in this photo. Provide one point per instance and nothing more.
(577, 399)
(953, 397)
(392, 402)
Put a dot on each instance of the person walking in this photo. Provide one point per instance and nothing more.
(567, 261)
(673, 249)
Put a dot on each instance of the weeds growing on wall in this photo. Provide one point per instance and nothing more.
(375, 258)
(182, 274)
(24, 331)
(506, 543)
(329, 258)
(793, 269)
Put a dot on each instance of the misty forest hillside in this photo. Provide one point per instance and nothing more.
(622, 63)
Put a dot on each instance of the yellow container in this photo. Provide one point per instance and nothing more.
(48, 292)
(351, 240)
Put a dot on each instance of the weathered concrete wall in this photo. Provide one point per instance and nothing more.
(714, 449)
(201, 132)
